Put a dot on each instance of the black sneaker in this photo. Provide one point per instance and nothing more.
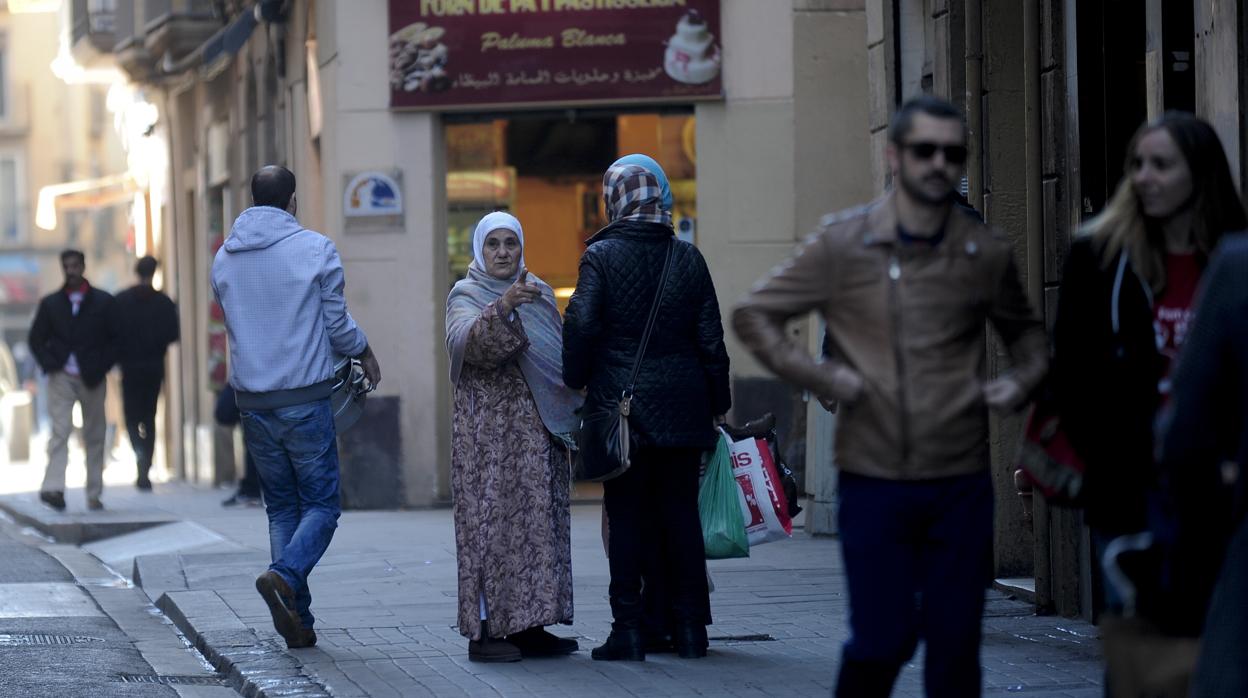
(242, 500)
(144, 485)
(56, 500)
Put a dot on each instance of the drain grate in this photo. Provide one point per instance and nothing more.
(743, 638)
(34, 640)
(171, 680)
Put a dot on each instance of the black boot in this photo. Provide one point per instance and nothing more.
(690, 639)
(492, 649)
(623, 644)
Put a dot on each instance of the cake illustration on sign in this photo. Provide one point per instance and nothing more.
(692, 57)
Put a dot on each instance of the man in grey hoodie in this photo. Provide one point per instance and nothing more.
(281, 287)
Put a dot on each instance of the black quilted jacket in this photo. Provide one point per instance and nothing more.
(683, 383)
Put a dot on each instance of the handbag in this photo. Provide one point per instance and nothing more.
(605, 440)
(1046, 458)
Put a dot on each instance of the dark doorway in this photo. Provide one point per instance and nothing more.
(1178, 42)
(1112, 92)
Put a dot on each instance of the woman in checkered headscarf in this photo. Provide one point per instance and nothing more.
(680, 392)
(633, 193)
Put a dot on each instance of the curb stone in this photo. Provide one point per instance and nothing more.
(255, 667)
(78, 527)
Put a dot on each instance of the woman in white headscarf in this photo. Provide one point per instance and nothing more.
(513, 417)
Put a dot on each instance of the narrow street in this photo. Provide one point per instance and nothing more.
(70, 627)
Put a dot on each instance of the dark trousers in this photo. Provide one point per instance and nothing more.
(139, 392)
(249, 486)
(654, 529)
(918, 557)
(227, 414)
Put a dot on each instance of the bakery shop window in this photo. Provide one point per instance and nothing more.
(546, 169)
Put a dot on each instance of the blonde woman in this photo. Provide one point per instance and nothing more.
(1127, 297)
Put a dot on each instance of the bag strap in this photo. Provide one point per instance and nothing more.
(654, 314)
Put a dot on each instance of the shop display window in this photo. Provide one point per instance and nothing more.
(547, 171)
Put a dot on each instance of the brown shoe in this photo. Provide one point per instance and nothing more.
(94, 504)
(281, 600)
(491, 649)
(537, 642)
(306, 639)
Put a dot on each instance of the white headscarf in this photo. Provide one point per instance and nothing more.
(496, 221)
(542, 361)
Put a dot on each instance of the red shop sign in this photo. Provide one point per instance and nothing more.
(449, 54)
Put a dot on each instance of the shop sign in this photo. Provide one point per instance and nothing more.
(460, 54)
(373, 199)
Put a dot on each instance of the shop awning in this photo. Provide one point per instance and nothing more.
(83, 193)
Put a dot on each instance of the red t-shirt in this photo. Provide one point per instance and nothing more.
(1173, 311)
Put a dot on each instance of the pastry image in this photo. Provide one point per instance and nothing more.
(403, 47)
(691, 56)
(418, 59)
(429, 73)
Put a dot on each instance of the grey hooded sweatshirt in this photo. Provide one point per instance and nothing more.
(280, 286)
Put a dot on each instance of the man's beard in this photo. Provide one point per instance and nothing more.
(913, 189)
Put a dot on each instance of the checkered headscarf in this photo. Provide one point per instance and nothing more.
(633, 194)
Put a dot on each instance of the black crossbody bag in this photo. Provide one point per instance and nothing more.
(605, 441)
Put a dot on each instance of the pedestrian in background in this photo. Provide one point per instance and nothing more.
(1203, 438)
(74, 339)
(1126, 303)
(906, 286)
(510, 446)
(227, 414)
(681, 393)
(281, 288)
(148, 324)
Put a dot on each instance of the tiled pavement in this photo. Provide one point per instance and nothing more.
(384, 596)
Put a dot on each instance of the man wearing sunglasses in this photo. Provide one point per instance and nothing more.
(906, 286)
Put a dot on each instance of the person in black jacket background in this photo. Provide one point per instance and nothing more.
(74, 339)
(1203, 429)
(1127, 297)
(148, 324)
(682, 391)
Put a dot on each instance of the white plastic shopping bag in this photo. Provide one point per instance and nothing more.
(763, 505)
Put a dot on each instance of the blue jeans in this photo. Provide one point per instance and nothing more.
(296, 454)
(918, 558)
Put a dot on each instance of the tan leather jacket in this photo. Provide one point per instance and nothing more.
(910, 320)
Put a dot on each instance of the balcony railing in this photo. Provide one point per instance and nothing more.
(177, 27)
(93, 26)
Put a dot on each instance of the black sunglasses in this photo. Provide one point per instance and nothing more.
(954, 154)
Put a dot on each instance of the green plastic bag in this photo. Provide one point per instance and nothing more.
(719, 507)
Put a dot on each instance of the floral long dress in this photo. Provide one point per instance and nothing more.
(510, 480)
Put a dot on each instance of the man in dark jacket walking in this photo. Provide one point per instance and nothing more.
(906, 286)
(148, 323)
(74, 339)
